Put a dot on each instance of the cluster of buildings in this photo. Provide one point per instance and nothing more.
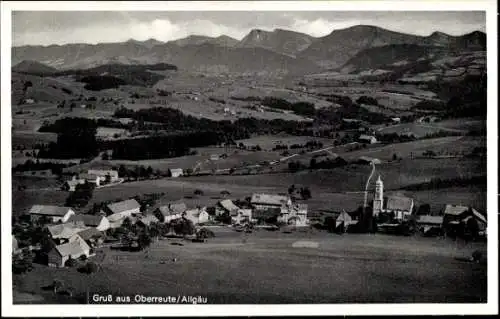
(454, 219)
(93, 176)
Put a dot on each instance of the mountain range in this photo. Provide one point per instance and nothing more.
(275, 52)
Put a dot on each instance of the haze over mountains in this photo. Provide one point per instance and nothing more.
(275, 52)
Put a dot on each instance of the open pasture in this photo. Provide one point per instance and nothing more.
(342, 269)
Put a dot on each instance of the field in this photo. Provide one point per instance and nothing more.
(343, 269)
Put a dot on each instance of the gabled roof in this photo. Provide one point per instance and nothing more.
(399, 203)
(147, 220)
(176, 170)
(75, 248)
(428, 219)
(125, 205)
(64, 231)
(101, 172)
(88, 220)
(266, 199)
(228, 205)
(88, 176)
(49, 210)
(89, 233)
(344, 217)
(455, 210)
(479, 216)
(172, 209)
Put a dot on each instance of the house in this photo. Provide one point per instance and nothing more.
(225, 206)
(241, 216)
(266, 214)
(54, 213)
(93, 237)
(197, 216)
(91, 178)
(396, 120)
(108, 176)
(29, 101)
(265, 201)
(214, 157)
(344, 221)
(74, 249)
(459, 219)
(295, 215)
(116, 220)
(147, 220)
(429, 225)
(125, 208)
(70, 185)
(167, 213)
(62, 233)
(400, 207)
(175, 172)
(369, 139)
(100, 222)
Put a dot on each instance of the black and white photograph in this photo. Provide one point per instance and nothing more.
(324, 155)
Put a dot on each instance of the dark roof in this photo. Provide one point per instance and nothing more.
(49, 210)
(89, 233)
(266, 213)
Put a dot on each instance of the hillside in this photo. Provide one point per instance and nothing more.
(222, 40)
(33, 67)
(335, 49)
(279, 40)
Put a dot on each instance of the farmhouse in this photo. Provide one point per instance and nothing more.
(62, 233)
(266, 201)
(74, 249)
(92, 237)
(197, 216)
(343, 222)
(101, 223)
(167, 213)
(463, 219)
(367, 139)
(175, 172)
(241, 216)
(429, 225)
(400, 207)
(54, 213)
(147, 220)
(70, 185)
(91, 178)
(225, 206)
(104, 175)
(125, 208)
(295, 215)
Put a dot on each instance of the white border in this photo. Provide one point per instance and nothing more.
(8, 309)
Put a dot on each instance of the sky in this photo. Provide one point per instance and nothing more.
(62, 27)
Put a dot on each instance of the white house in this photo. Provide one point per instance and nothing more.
(74, 249)
(225, 206)
(111, 175)
(401, 207)
(91, 178)
(241, 216)
(197, 216)
(265, 201)
(61, 233)
(54, 213)
(396, 120)
(295, 215)
(125, 208)
(175, 172)
(167, 213)
(100, 222)
(367, 139)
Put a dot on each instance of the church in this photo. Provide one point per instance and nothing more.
(399, 208)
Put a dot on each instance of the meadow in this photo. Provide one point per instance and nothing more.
(342, 269)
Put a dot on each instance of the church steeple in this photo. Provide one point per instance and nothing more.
(378, 198)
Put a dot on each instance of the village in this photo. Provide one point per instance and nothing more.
(66, 237)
